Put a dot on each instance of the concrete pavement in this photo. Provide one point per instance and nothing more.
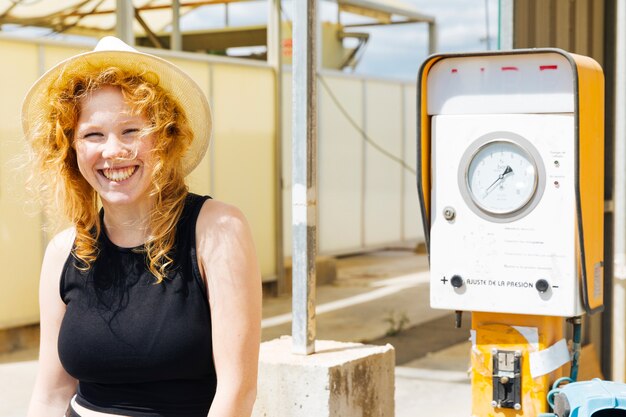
(377, 298)
(16, 383)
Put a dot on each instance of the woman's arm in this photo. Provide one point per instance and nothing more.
(53, 386)
(230, 267)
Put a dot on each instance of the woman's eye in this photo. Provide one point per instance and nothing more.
(130, 131)
(92, 135)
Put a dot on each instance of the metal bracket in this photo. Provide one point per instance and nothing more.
(507, 379)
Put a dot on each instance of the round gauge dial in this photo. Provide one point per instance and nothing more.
(501, 177)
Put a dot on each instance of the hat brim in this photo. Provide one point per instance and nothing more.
(171, 78)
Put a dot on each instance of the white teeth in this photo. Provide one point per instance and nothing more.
(118, 174)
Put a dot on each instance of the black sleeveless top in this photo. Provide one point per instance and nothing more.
(136, 347)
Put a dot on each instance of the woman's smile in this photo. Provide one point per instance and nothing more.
(118, 174)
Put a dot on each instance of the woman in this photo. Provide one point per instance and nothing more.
(150, 306)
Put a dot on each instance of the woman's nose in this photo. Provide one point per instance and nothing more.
(114, 148)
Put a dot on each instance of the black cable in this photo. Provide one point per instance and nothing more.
(363, 134)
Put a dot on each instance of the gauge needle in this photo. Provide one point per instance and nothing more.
(506, 171)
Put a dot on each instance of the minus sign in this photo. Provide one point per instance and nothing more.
(555, 286)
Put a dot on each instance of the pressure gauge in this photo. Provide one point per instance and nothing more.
(501, 176)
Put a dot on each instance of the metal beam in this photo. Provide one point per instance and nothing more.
(432, 38)
(125, 13)
(619, 197)
(505, 24)
(395, 22)
(187, 4)
(149, 33)
(176, 39)
(218, 39)
(487, 31)
(274, 59)
(304, 172)
(374, 8)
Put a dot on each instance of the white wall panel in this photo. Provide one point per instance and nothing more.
(340, 168)
(412, 226)
(366, 200)
(286, 150)
(21, 237)
(383, 175)
(244, 137)
(199, 180)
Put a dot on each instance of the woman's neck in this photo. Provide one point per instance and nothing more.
(127, 226)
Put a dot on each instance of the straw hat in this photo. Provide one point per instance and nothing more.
(111, 51)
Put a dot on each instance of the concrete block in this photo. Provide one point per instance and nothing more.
(339, 380)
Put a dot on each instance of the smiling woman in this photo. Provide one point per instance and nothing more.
(150, 306)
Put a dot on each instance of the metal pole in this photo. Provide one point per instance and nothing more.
(275, 59)
(487, 34)
(124, 21)
(505, 24)
(606, 330)
(176, 39)
(304, 173)
(432, 37)
(619, 295)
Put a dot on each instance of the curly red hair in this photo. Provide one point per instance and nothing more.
(56, 176)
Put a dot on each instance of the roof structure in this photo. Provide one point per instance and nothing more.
(152, 20)
(97, 17)
(385, 11)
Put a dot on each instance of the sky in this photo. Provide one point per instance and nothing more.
(461, 27)
(394, 51)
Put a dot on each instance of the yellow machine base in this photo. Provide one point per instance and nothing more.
(501, 332)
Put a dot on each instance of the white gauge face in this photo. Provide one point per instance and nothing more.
(501, 177)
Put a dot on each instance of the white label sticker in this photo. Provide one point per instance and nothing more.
(545, 361)
(531, 334)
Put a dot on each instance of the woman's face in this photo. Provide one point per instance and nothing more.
(112, 155)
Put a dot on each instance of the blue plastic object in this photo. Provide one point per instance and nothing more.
(588, 398)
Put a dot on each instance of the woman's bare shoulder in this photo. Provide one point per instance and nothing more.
(61, 244)
(226, 253)
(57, 251)
(223, 230)
(219, 217)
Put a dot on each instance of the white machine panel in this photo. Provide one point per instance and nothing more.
(525, 83)
(516, 264)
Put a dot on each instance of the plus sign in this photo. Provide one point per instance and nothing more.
(444, 280)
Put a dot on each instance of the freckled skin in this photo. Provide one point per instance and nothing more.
(108, 137)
